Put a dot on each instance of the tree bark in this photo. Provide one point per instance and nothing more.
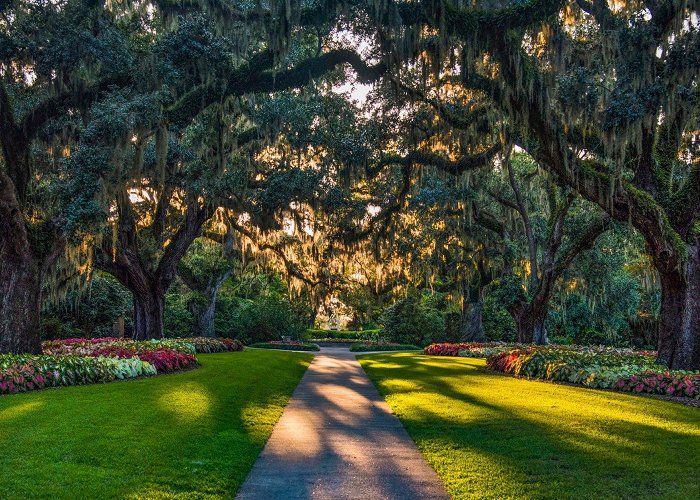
(472, 324)
(118, 327)
(20, 277)
(679, 319)
(530, 323)
(20, 302)
(203, 325)
(149, 308)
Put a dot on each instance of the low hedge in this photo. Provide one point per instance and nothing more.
(338, 341)
(383, 347)
(342, 334)
(212, 344)
(287, 346)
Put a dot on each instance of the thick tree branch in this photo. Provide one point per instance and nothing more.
(195, 216)
(250, 80)
(585, 241)
(453, 167)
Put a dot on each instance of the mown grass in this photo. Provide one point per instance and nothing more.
(493, 436)
(189, 435)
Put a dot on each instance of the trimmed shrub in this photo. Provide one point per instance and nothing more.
(290, 345)
(368, 335)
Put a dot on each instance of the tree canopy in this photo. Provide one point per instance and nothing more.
(501, 144)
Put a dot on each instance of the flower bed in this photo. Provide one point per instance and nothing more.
(208, 344)
(21, 373)
(83, 361)
(677, 383)
(383, 347)
(467, 350)
(287, 345)
(597, 367)
(163, 359)
(190, 345)
(86, 347)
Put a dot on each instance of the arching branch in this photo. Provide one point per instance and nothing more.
(454, 167)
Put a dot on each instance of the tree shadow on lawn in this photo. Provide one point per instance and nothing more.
(494, 436)
(160, 436)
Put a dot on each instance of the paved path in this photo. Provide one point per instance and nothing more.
(337, 438)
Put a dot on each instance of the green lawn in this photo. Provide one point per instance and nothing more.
(493, 436)
(188, 435)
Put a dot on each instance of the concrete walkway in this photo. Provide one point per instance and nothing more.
(337, 438)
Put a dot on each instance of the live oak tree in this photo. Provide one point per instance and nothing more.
(90, 76)
(554, 229)
(56, 59)
(209, 261)
(605, 97)
(508, 231)
(454, 256)
(609, 294)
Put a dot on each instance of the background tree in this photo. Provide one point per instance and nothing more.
(205, 267)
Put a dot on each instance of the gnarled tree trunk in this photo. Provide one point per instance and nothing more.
(22, 267)
(530, 322)
(20, 301)
(203, 325)
(472, 324)
(149, 313)
(679, 319)
(125, 264)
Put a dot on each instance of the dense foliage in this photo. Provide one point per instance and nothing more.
(413, 320)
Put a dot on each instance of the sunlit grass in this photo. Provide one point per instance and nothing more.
(191, 401)
(493, 436)
(189, 435)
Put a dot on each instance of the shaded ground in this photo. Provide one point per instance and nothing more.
(338, 439)
(490, 436)
(192, 434)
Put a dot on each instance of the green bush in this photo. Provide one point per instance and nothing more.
(263, 319)
(591, 336)
(178, 318)
(498, 323)
(90, 312)
(314, 333)
(562, 340)
(54, 328)
(412, 320)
